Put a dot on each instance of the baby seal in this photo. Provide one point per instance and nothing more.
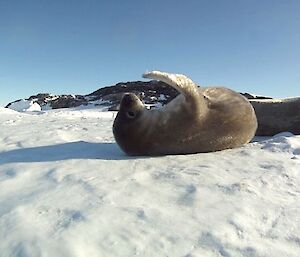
(197, 120)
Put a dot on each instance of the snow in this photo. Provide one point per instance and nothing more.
(25, 106)
(66, 189)
(162, 97)
(154, 105)
(276, 100)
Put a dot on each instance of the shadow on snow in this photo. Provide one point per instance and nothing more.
(66, 151)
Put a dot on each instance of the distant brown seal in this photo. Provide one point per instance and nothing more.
(277, 115)
(197, 120)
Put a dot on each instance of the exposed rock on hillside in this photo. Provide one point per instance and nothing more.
(151, 92)
(157, 93)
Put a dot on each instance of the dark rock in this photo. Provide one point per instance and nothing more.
(249, 96)
(67, 101)
(150, 92)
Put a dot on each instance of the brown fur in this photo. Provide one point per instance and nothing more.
(275, 116)
(206, 120)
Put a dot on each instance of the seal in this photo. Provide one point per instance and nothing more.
(277, 115)
(198, 120)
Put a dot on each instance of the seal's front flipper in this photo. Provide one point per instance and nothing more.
(178, 81)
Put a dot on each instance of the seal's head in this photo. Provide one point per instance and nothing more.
(131, 109)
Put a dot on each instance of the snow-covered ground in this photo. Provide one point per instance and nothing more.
(23, 105)
(66, 189)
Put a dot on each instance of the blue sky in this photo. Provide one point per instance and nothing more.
(61, 46)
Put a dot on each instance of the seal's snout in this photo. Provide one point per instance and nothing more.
(128, 100)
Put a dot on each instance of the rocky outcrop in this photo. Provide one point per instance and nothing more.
(151, 92)
(273, 116)
(257, 97)
(50, 101)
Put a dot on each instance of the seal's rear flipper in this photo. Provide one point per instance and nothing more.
(178, 81)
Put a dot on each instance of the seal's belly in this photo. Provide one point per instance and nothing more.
(224, 125)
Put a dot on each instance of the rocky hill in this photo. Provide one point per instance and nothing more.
(153, 93)
(273, 115)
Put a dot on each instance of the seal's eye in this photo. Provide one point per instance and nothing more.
(130, 114)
